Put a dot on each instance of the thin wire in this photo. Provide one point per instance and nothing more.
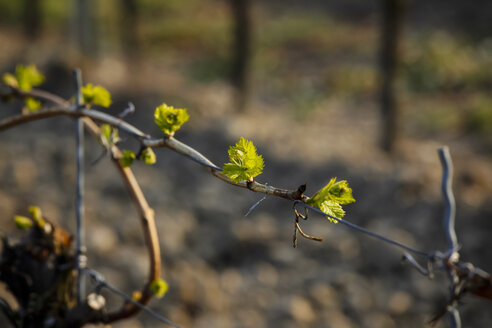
(416, 265)
(100, 280)
(365, 231)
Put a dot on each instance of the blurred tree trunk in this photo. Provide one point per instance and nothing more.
(241, 13)
(31, 12)
(84, 28)
(392, 24)
(129, 28)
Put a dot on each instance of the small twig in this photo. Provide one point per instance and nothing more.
(40, 94)
(101, 281)
(79, 193)
(297, 226)
(299, 215)
(129, 110)
(305, 235)
(294, 237)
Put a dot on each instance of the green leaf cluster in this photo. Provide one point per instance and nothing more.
(25, 77)
(32, 104)
(25, 223)
(245, 163)
(159, 287)
(96, 95)
(127, 158)
(22, 222)
(170, 119)
(330, 198)
(147, 156)
(109, 135)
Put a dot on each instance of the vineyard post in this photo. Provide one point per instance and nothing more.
(80, 248)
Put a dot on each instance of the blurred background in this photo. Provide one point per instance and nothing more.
(362, 90)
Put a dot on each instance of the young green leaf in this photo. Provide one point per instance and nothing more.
(10, 80)
(106, 134)
(245, 163)
(170, 119)
(32, 104)
(159, 287)
(37, 215)
(96, 95)
(330, 198)
(109, 135)
(25, 77)
(148, 156)
(36, 212)
(28, 76)
(22, 222)
(127, 158)
(339, 192)
(332, 208)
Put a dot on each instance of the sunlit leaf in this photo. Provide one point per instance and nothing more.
(330, 198)
(109, 135)
(10, 80)
(32, 104)
(96, 95)
(37, 215)
(148, 156)
(332, 208)
(22, 222)
(245, 163)
(25, 77)
(28, 76)
(170, 119)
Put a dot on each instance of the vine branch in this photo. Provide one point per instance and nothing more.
(170, 142)
(147, 219)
